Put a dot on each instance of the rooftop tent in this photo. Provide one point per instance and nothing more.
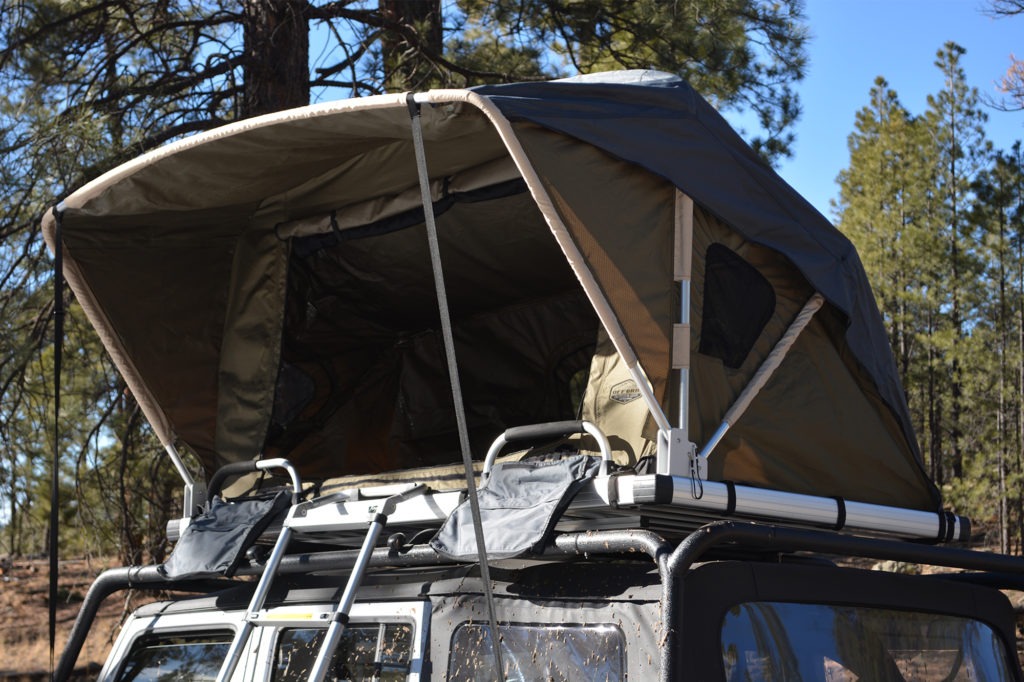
(265, 289)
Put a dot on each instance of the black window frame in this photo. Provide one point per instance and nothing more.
(709, 591)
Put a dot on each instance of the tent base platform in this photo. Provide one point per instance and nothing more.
(672, 505)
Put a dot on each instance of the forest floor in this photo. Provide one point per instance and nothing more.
(24, 615)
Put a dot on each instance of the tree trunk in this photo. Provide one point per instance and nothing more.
(276, 71)
(1004, 520)
(934, 410)
(12, 519)
(131, 546)
(1019, 497)
(956, 385)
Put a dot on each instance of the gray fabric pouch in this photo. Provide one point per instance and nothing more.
(215, 542)
(519, 506)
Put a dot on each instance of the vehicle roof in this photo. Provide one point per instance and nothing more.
(607, 581)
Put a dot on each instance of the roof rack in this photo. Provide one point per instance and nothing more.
(617, 500)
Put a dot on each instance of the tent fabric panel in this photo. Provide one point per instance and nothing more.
(809, 435)
(336, 150)
(386, 170)
(382, 400)
(97, 317)
(156, 331)
(612, 401)
(372, 210)
(790, 292)
(250, 352)
(660, 126)
(622, 221)
(205, 170)
(812, 429)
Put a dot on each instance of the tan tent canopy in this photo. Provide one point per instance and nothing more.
(266, 289)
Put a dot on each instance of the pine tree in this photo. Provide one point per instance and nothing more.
(998, 195)
(956, 124)
(882, 207)
(877, 208)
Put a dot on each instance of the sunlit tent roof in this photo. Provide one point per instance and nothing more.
(265, 288)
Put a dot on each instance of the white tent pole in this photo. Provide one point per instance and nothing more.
(195, 493)
(683, 267)
(172, 452)
(765, 371)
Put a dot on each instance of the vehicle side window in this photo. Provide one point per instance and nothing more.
(377, 652)
(176, 656)
(539, 652)
(777, 640)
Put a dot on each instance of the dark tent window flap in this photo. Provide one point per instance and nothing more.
(738, 303)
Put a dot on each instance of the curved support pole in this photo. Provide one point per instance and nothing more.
(111, 581)
(765, 371)
(549, 430)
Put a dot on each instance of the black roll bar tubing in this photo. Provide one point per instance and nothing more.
(150, 578)
(114, 580)
(671, 563)
(782, 539)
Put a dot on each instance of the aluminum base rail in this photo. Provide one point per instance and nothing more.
(667, 494)
(617, 502)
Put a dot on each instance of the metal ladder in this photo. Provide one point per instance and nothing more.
(263, 586)
(339, 619)
(259, 596)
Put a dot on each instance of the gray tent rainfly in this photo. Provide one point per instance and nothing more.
(281, 301)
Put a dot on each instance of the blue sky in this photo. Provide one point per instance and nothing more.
(853, 41)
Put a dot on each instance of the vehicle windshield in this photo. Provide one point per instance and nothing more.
(822, 643)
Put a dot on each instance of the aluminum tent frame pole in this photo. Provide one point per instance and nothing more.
(727, 499)
(765, 371)
(676, 451)
(683, 267)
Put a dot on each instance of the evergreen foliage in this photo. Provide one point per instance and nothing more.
(937, 217)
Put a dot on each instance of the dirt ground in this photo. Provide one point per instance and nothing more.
(24, 631)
